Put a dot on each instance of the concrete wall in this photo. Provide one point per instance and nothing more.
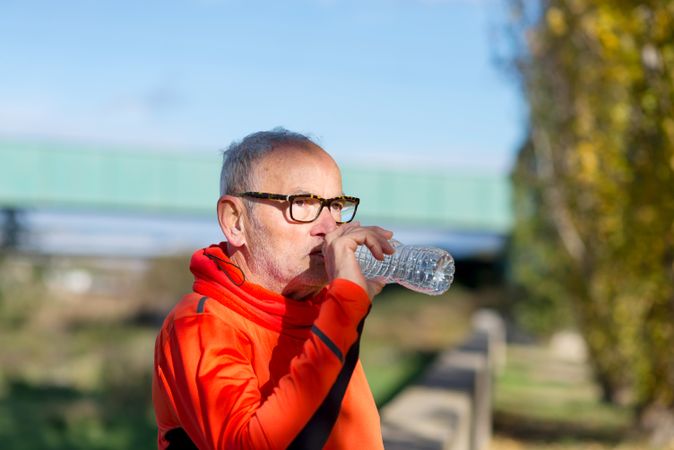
(449, 407)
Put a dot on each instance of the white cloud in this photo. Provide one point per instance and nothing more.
(138, 119)
(148, 104)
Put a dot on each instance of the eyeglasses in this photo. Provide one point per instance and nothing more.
(307, 207)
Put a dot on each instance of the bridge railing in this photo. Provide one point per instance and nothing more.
(58, 175)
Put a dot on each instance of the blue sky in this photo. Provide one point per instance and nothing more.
(385, 82)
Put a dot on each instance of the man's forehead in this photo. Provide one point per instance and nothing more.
(296, 168)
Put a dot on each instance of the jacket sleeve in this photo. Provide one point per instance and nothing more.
(216, 392)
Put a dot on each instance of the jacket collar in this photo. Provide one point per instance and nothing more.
(218, 277)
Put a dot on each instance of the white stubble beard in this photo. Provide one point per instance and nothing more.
(267, 266)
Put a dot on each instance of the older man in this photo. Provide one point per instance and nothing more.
(264, 353)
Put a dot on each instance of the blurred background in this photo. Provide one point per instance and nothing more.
(534, 140)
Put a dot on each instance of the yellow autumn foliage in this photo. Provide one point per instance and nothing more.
(594, 187)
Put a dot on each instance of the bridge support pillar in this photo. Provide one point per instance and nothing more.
(11, 229)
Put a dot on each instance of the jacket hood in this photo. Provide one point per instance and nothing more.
(216, 276)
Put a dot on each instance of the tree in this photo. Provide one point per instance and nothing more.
(594, 186)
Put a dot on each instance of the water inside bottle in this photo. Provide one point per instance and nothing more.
(427, 270)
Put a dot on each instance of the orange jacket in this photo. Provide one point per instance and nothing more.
(239, 367)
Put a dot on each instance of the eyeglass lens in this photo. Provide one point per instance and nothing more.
(307, 209)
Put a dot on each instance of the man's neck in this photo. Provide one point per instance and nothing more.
(289, 290)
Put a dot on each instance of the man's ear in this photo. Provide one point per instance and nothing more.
(230, 217)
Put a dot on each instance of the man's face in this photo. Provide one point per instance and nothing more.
(284, 254)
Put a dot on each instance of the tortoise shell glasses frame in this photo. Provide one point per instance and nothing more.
(305, 207)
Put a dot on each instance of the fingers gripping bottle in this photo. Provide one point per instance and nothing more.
(428, 270)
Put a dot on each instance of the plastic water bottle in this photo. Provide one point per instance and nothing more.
(423, 269)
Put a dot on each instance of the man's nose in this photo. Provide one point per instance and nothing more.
(324, 223)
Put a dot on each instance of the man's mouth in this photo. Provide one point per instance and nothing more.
(316, 252)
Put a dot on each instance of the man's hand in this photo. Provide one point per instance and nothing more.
(339, 253)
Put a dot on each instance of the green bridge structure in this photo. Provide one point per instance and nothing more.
(39, 175)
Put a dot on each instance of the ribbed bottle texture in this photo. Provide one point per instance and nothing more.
(428, 270)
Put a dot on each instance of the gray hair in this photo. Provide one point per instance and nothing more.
(240, 158)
